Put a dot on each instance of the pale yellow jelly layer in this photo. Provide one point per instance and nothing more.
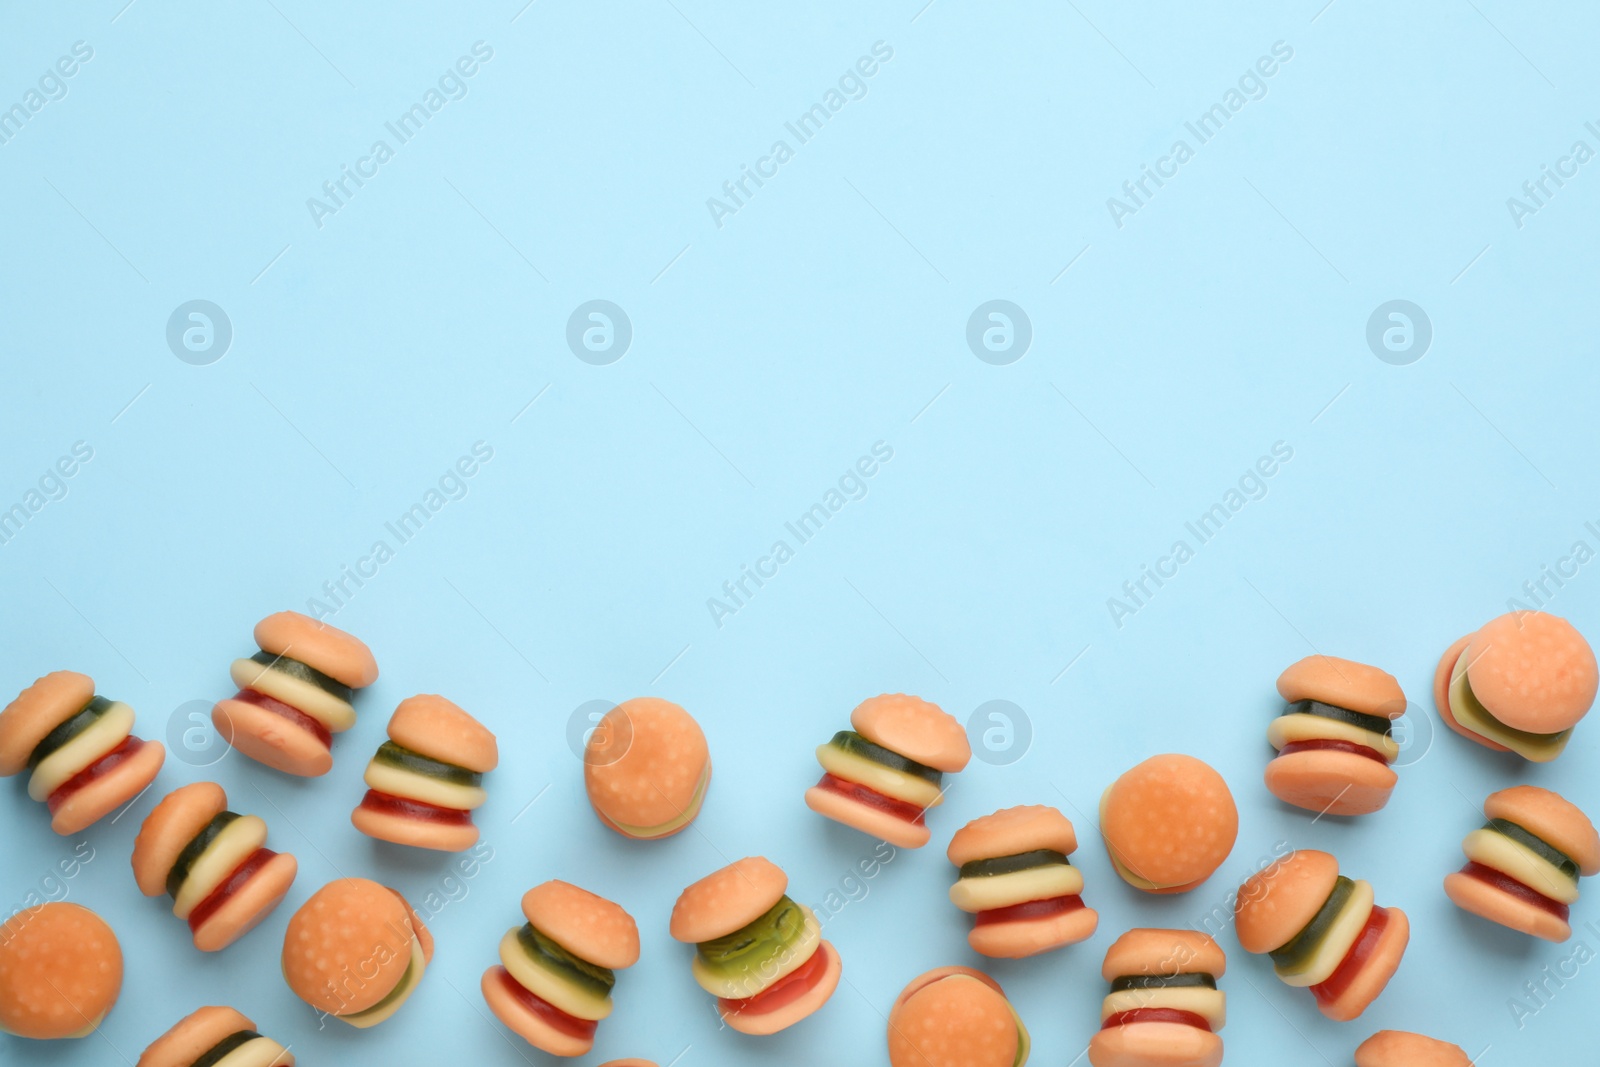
(1469, 712)
(1303, 727)
(262, 1052)
(408, 985)
(1019, 887)
(236, 843)
(542, 983)
(1212, 1004)
(1494, 849)
(101, 736)
(1336, 944)
(397, 781)
(896, 785)
(329, 710)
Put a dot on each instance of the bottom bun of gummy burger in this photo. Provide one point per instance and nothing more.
(410, 822)
(534, 1019)
(794, 997)
(1397, 1048)
(105, 785)
(873, 814)
(213, 1036)
(242, 901)
(356, 951)
(955, 1017)
(274, 734)
(1155, 1043)
(1367, 968)
(1031, 928)
(1501, 899)
(1330, 781)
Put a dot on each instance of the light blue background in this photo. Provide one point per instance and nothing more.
(829, 313)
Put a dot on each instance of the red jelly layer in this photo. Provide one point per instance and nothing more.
(583, 1029)
(1511, 887)
(387, 804)
(787, 990)
(1365, 944)
(1033, 909)
(1330, 745)
(293, 714)
(873, 799)
(1156, 1015)
(230, 885)
(95, 771)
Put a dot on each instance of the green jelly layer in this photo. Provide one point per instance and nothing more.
(1162, 981)
(735, 954)
(850, 741)
(57, 739)
(295, 669)
(1022, 861)
(222, 1048)
(1372, 723)
(193, 851)
(569, 968)
(1535, 844)
(1298, 952)
(404, 759)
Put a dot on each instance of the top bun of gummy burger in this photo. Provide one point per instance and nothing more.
(1553, 819)
(588, 926)
(441, 730)
(646, 766)
(1163, 952)
(169, 828)
(727, 900)
(341, 656)
(1278, 902)
(1011, 832)
(954, 1017)
(1396, 1048)
(1343, 683)
(197, 1034)
(60, 973)
(914, 728)
(1532, 671)
(351, 926)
